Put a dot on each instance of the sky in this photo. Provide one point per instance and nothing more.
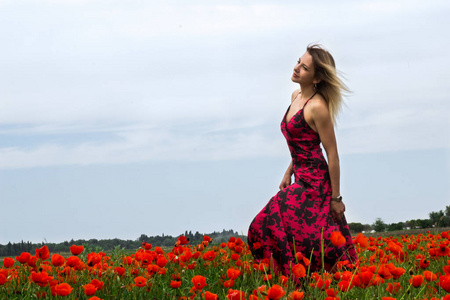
(122, 118)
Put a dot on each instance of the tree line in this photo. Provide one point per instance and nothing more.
(13, 249)
(436, 219)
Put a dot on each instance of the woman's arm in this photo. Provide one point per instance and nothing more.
(286, 181)
(324, 126)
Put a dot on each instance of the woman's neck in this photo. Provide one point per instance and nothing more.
(306, 92)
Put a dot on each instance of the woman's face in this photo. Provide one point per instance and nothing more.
(304, 70)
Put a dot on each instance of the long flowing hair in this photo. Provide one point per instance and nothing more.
(331, 87)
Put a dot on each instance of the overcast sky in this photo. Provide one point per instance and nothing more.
(119, 118)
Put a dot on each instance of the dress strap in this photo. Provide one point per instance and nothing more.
(309, 99)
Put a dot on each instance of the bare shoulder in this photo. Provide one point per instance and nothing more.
(294, 94)
(319, 108)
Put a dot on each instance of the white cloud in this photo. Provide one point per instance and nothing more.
(144, 145)
(133, 72)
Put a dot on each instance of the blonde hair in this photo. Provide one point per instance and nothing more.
(331, 87)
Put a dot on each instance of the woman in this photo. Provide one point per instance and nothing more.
(310, 209)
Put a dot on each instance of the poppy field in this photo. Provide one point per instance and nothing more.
(401, 267)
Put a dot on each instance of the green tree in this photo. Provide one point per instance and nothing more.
(395, 226)
(143, 238)
(424, 223)
(367, 227)
(435, 217)
(356, 227)
(379, 225)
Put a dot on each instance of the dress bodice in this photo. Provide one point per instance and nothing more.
(304, 144)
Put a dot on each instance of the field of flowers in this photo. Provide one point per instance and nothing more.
(403, 267)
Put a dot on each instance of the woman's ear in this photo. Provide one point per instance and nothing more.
(317, 81)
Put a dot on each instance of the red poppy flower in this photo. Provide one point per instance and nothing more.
(209, 255)
(331, 292)
(140, 281)
(233, 273)
(191, 266)
(235, 295)
(161, 261)
(444, 283)
(76, 250)
(235, 256)
(178, 250)
(231, 245)
(262, 290)
(42, 253)
(57, 260)
(395, 248)
(366, 277)
(361, 241)
(228, 283)
(199, 282)
(384, 272)
(32, 261)
(197, 254)
(120, 270)
(23, 258)
(210, 296)
(275, 292)
(89, 289)
(238, 249)
(394, 287)
(147, 246)
(416, 280)
(152, 269)
(2, 279)
(345, 285)
(62, 289)
(97, 283)
(182, 240)
(128, 260)
(429, 276)
(443, 250)
(94, 258)
(337, 239)
(40, 278)
(377, 280)
(446, 269)
(284, 280)
(8, 262)
(397, 272)
(296, 295)
(175, 284)
(299, 271)
(267, 277)
(424, 263)
(256, 245)
(206, 238)
(72, 261)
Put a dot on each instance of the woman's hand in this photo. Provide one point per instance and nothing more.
(337, 210)
(286, 181)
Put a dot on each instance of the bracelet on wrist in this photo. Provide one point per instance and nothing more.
(337, 199)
